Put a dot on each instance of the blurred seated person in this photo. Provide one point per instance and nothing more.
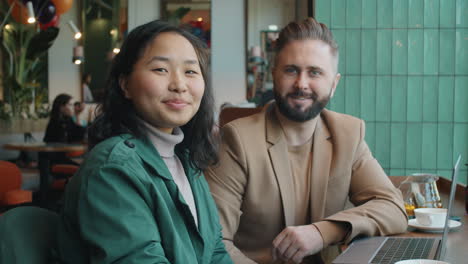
(62, 128)
(78, 110)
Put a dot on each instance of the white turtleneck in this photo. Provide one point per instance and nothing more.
(165, 144)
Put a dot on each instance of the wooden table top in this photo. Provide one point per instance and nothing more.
(45, 147)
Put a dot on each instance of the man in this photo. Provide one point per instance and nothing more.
(286, 173)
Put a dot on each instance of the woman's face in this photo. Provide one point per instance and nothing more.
(67, 109)
(166, 85)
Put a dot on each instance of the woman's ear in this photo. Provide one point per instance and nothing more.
(123, 86)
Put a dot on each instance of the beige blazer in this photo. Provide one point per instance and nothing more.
(253, 188)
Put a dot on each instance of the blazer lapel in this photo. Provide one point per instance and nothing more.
(322, 153)
(280, 163)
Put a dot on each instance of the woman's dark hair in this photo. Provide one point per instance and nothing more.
(117, 114)
(84, 77)
(59, 101)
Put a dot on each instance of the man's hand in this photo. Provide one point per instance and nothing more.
(296, 242)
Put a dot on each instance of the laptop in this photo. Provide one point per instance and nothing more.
(392, 249)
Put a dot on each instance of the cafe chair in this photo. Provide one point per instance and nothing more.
(11, 193)
(62, 174)
(27, 235)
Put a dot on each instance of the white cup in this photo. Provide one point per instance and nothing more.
(434, 217)
(421, 261)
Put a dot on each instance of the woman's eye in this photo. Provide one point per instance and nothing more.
(191, 72)
(159, 70)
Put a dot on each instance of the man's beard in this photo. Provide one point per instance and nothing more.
(294, 112)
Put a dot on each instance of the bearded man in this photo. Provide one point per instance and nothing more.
(285, 175)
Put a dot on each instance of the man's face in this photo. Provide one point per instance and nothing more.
(305, 78)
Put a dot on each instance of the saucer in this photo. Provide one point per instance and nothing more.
(436, 229)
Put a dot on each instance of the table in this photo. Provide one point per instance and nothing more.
(43, 150)
(457, 243)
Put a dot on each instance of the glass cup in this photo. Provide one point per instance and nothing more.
(420, 191)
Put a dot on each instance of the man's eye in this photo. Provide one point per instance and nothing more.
(290, 70)
(314, 72)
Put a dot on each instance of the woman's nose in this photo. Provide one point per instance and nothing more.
(177, 83)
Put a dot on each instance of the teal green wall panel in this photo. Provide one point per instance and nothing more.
(338, 11)
(413, 145)
(415, 51)
(447, 51)
(461, 95)
(461, 19)
(404, 66)
(415, 98)
(353, 51)
(460, 140)
(431, 13)
(446, 99)
(337, 103)
(400, 52)
(445, 146)
(384, 51)
(461, 66)
(368, 98)
(369, 51)
(447, 13)
(416, 9)
(399, 88)
(340, 37)
(352, 95)
(430, 98)
(353, 13)
(400, 13)
(429, 146)
(382, 143)
(431, 51)
(323, 12)
(383, 98)
(370, 136)
(369, 14)
(398, 145)
(384, 14)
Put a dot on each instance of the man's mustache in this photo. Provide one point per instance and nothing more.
(312, 96)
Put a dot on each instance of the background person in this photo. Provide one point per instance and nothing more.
(87, 94)
(286, 174)
(140, 196)
(62, 129)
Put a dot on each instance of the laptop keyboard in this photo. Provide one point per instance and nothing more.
(395, 249)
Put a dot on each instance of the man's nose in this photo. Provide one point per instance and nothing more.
(177, 83)
(302, 82)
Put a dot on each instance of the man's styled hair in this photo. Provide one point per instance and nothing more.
(308, 29)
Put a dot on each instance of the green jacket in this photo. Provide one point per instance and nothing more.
(123, 206)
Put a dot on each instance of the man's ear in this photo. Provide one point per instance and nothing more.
(123, 86)
(335, 84)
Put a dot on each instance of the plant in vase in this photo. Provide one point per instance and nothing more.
(24, 48)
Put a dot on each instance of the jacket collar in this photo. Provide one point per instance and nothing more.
(278, 152)
(149, 154)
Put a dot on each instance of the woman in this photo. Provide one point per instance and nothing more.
(140, 196)
(87, 94)
(62, 129)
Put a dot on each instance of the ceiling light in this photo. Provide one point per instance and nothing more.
(74, 29)
(31, 16)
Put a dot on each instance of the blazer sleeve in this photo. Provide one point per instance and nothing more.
(114, 219)
(379, 204)
(227, 182)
